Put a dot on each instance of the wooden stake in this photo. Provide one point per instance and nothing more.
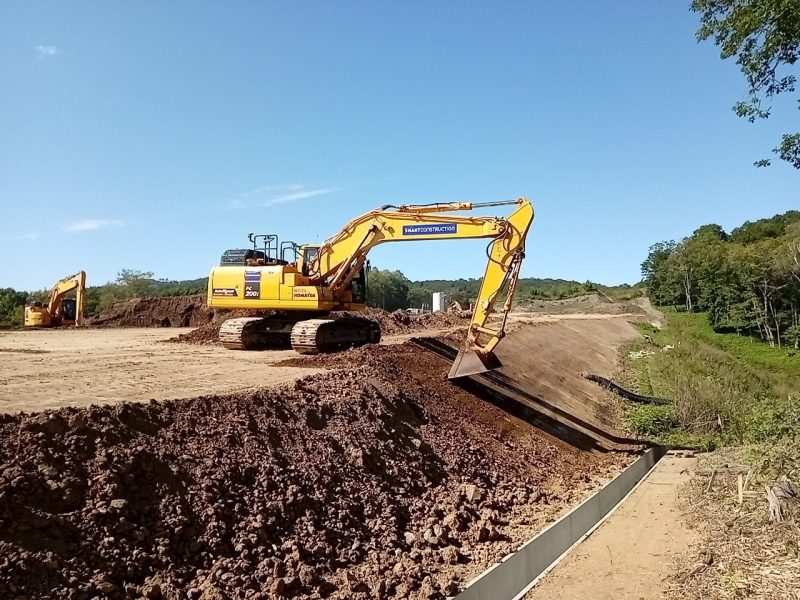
(740, 487)
(711, 480)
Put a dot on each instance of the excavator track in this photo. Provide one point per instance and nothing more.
(255, 333)
(314, 336)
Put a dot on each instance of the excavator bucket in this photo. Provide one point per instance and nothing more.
(469, 362)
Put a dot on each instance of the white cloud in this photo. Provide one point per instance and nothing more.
(47, 51)
(92, 225)
(269, 195)
(17, 237)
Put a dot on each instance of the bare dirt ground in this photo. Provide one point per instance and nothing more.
(44, 369)
(378, 480)
(256, 476)
(633, 552)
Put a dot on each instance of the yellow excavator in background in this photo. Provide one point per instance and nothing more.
(60, 311)
(304, 287)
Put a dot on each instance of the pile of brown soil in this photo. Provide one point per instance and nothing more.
(381, 481)
(401, 321)
(167, 311)
(205, 334)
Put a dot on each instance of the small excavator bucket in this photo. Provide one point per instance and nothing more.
(469, 362)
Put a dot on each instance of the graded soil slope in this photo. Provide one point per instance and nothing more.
(546, 361)
(541, 375)
(381, 480)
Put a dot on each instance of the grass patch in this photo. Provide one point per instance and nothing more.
(746, 348)
(650, 420)
(725, 389)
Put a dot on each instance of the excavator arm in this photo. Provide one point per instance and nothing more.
(75, 282)
(340, 259)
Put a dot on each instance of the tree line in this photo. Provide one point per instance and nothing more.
(391, 290)
(387, 289)
(129, 283)
(748, 280)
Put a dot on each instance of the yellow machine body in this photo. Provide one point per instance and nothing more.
(331, 276)
(273, 287)
(37, 316)
(55, 313)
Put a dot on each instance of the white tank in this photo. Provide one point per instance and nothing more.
(438, 304)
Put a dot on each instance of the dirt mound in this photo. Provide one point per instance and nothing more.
(205, 334)
(401, 321)
(343, 485)
(168, 311)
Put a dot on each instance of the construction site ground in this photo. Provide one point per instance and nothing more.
(50, 368)
(186, 470)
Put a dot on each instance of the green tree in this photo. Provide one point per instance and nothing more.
(773, 227)
(661, 283)
(792, 336)
(764, 36)
(419, 296)
(135, 284)
(387, 289)
(12, 305)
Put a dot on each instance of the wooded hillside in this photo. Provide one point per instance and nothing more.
(747, 280)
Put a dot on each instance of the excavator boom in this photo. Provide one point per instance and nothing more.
(342, 257)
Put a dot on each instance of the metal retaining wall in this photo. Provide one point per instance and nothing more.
(508, 579)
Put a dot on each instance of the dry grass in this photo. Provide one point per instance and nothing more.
(742, 555)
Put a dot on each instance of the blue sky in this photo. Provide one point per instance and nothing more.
(153, 135)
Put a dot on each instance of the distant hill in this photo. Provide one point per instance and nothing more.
(528, 289)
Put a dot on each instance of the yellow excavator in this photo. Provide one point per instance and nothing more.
(60, 310)
(302, 285)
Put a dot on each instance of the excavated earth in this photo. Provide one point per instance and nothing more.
(167, 311)
(377, 480)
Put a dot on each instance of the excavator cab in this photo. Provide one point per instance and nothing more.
(69, 310)
(307, 256)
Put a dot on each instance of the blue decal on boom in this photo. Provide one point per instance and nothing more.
(441, 228)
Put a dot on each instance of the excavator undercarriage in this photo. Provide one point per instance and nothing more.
(306, 336)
